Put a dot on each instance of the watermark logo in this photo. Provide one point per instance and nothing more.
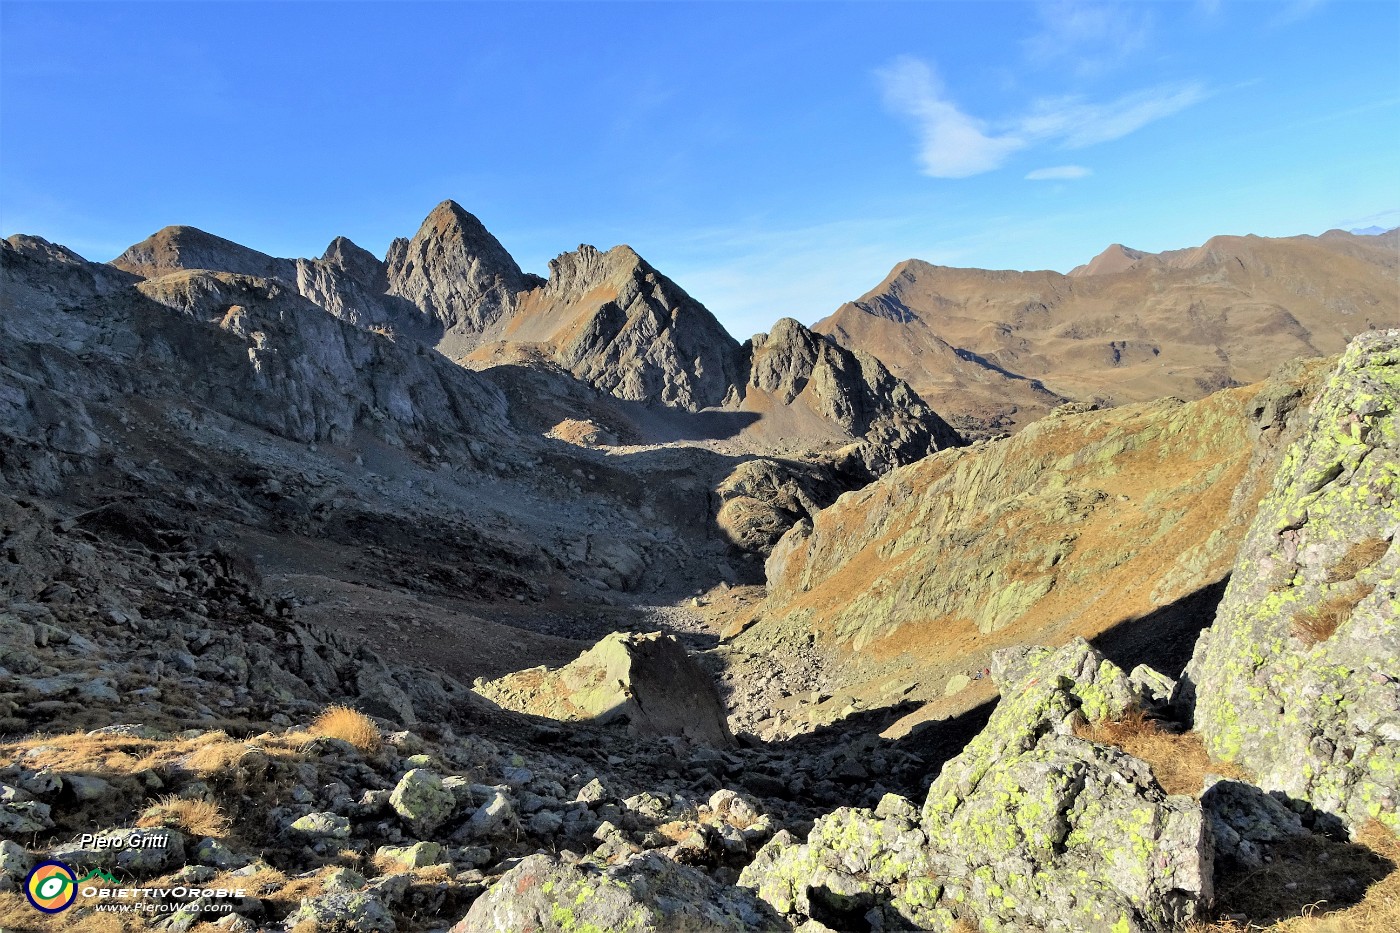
(51, 887)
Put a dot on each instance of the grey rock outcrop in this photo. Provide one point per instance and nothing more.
(623, 327)
(647, 894)
(796, 367)
(1030, 826)
(248, 347)
(647, 681)
(1298, 679)
(457, 274)
(761, 499)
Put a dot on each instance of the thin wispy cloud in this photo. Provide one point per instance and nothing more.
(1059, 173)
(951, 143)
(1079, 123)
(1296, 10)
(1091, 37)
(955, 144)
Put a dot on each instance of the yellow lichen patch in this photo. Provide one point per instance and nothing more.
(348, 725)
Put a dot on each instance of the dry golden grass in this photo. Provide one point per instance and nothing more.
(208, 754)
(17, 915)
(1179, 762)
(1358, 557)
(676, 830)
(1316, 625)
(195, 817)
(1327, 878)
(348, 725)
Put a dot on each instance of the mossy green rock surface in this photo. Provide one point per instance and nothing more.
(1298, 680)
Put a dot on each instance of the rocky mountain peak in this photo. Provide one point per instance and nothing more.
(178, 248)
(454, 270)
(619, 324)
(575, 273)
(356, 261)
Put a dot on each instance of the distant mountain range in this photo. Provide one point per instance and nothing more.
(997, 349)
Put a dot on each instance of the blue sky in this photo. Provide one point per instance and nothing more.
(774, 159)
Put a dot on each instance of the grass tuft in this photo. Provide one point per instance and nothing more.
(348, 725)
(1179, 762)
(1358, 557)
(1316, 885)
(1317, 624)
(194, 817)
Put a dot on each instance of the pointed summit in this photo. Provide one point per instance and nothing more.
(355, 261)
(1117, 258)
(455, 271)
(614, 321)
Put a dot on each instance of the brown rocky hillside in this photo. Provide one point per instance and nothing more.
(1001, 348)
(1121, 523)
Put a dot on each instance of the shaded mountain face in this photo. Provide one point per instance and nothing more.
(608, 319)
(1003, 348)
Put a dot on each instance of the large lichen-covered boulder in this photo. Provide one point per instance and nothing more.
(647, 681)
(1298, 680)
(1030, 827)
(647, 894)
(854, 862)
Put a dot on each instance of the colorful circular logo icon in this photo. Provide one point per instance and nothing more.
(51, 887)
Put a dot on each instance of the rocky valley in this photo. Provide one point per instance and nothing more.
(423, 594)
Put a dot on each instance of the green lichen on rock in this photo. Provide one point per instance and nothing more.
(1298, 680)
(422, 800)
(1030, 827)
(1037, 827)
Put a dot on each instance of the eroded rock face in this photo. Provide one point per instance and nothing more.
(248, 347)
(457, 274)
(1298, 679)
(648, 894)
(616, 323)
(1036, 826)
(796, 367)
(647, 681)
(1029, 827)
